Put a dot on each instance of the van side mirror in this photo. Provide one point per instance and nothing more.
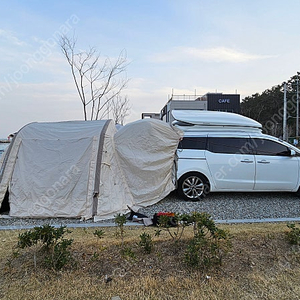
(292, 152)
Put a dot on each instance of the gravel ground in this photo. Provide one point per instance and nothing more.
(221, 206)
(233, 206)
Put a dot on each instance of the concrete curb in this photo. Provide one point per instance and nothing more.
(91, 225)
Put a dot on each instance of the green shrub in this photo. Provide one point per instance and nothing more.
(99, 233)
(60, 255)
(120, 220)
(174, 224)
(293, 235)
(49, 243)
(128, 252)
(146, 242)
(209, 244)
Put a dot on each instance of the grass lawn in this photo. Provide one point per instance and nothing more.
(260, 265)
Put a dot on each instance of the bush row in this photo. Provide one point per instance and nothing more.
(205, 249)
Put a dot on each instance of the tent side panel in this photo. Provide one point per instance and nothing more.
(146, 151)
(98, 165)
(7, 164)
(90, 201)
(114, 194)
(50, 178)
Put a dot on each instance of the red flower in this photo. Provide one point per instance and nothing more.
(168, 214)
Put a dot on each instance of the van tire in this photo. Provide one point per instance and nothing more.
(298, 192)
(193, 186)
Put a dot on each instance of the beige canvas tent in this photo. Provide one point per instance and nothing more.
(87, 168)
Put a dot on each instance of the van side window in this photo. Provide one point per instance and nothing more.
(229, 145)
(197, 143)
(267, 147)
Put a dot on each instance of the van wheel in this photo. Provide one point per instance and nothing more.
(193, 186)
(298, 192)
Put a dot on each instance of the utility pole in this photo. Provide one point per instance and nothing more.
(284, 112)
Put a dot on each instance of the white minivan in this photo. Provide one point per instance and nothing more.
(228, 152)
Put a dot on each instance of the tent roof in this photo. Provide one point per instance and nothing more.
(88, 168)
(64, 129)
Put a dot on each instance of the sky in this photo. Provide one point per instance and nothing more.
(173, 47)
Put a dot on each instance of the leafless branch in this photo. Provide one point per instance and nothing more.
(98, 85)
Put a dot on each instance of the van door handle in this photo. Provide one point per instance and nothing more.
(247, 161)
(263, 161)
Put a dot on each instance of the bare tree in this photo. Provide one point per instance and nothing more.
(120, 109)
(98, 82)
